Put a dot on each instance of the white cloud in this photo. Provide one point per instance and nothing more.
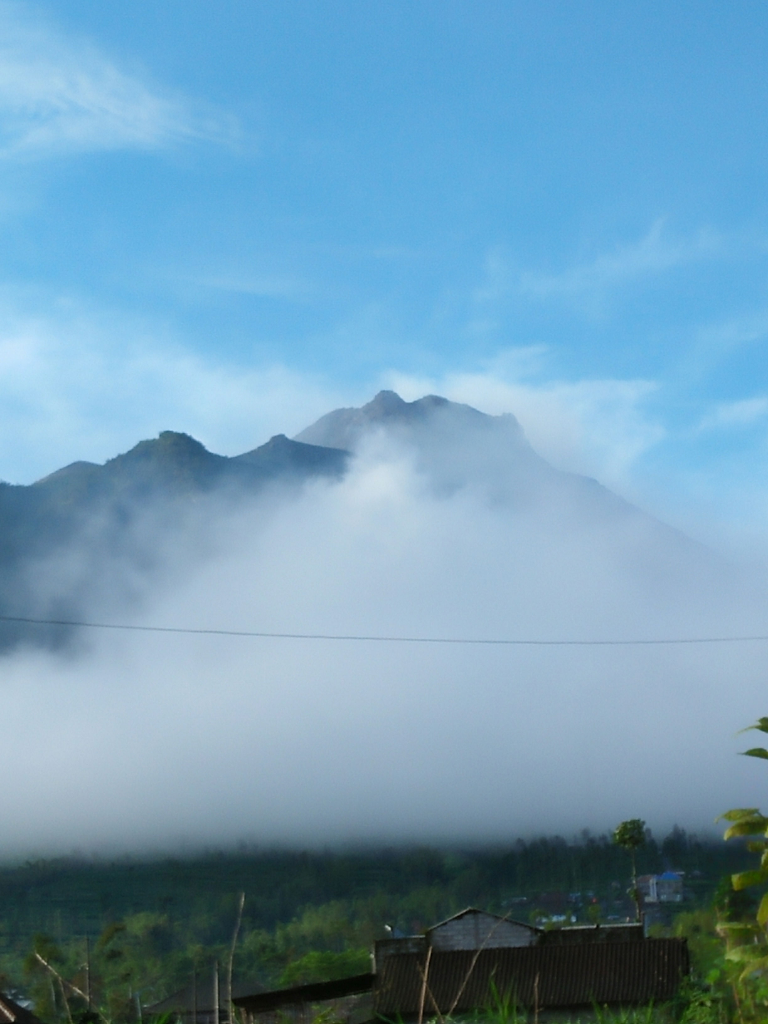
(146, 740)
(597, 427)
(77, 387)
(60, 94)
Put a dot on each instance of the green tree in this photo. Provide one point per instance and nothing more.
(326, 965)
(630, 835)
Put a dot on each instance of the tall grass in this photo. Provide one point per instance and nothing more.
(504, 1010)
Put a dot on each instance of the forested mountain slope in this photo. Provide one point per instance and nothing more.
(87, 525)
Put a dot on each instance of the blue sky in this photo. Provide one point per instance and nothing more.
(228, 218)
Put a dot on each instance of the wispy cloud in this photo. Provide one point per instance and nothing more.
(733, 333)
(60, 94)
(262, 286)
(729, 415)
(652, 254)
(590, 281)
(712, 344)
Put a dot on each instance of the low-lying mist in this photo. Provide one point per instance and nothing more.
(143, 741)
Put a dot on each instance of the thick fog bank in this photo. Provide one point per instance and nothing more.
(140, 741)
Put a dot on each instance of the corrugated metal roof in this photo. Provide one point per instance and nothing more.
(553, 977)
(628, 932)
(319, 992)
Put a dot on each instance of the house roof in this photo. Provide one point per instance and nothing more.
(557, 976)
(628, 931)
(484, 913)
(318, 992)
(12, 1013)
(199, 995)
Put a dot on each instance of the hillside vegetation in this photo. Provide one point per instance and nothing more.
(308, 916)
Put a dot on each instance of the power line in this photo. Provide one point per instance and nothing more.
(480, 641)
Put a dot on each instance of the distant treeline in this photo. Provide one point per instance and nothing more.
(308, 916)
(68, 897)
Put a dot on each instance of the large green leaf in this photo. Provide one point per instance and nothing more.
(762, 911)
(760, 964)
(748, 827)
(747, 945)
(761, 725)
(748, 954)
(738, 813)
(744, 879)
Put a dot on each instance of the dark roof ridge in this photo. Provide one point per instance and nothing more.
(12, 1012)
(316, 991)
(487, 913)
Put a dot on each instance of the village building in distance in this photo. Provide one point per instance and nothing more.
(664, 888)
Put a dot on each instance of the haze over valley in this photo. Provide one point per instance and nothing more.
(426, 519)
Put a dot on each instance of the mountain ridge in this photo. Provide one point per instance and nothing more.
(343, 428)
(184, 459)
(97, 526)
(108, 524)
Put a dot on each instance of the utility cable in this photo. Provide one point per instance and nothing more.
(478, 641)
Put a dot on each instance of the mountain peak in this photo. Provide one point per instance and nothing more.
(389, 403)
(343, 428)
(168, 444)
(385, 402)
